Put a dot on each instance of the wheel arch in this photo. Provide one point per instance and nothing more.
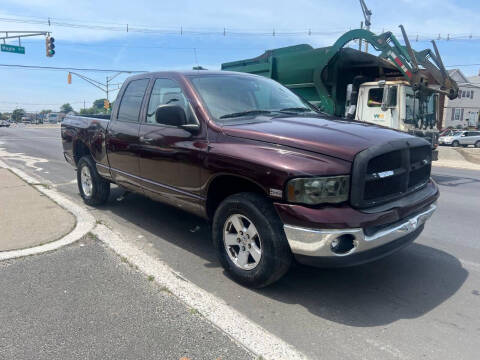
(80, 149)
(224, 185)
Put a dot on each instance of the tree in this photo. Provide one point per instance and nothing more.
(87, 111)
(98, 104)
(17, 115)
(66, 108)
(43, 112)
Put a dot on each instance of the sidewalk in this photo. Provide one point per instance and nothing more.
(455, 158)
(84, 302)
(27, 217)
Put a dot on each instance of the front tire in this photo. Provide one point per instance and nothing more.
(455, 143)
(249, 239)
(477, 144)
(94, 190)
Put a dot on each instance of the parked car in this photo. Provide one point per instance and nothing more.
(52, 118)
(447, 132)
(277, 179)
(461, 138)
(4, 123)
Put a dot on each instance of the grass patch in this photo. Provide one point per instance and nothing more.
(151, 277)
(194, 311)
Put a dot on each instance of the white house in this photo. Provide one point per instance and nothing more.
(464, 111)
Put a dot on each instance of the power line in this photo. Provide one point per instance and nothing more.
(181, 30)
(37, 67)
(22, 103)
(55, 68)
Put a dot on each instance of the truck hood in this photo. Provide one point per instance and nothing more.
(341, 139)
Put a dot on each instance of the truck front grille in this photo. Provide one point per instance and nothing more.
(387, 172)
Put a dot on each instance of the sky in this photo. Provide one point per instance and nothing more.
(180, 34)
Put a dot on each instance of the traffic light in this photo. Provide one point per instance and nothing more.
(69, 78)
(50, 46)
(106, 104)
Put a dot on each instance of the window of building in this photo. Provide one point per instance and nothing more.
(457, 114)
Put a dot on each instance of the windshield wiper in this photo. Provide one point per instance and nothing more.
(245, 113)
(296, 109)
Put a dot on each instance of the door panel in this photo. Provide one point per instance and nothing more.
(171, 166)
(123, 152)
(171, 157)
(122, 135)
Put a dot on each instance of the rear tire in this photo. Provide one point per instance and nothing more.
(455, 143)
(94, 189)
(477, 144)
(259, 268)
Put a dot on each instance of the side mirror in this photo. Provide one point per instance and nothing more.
(385, 98)
(170, 114)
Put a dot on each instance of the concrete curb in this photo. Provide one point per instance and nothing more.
(84, 221)
(236, 325)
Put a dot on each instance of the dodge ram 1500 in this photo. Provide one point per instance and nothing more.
(277, 179)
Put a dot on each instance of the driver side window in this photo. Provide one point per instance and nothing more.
(165, 91)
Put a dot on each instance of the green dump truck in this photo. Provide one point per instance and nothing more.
(398, 87)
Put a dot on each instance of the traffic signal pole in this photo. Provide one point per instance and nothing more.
(105, 87)
(19, 35)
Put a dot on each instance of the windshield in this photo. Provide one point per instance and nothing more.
(232, 96)
(421, 111)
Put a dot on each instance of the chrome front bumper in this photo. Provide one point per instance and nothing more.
(318, 243)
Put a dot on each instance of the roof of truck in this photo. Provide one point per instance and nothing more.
(189, 73)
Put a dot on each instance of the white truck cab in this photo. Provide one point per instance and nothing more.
(394, 104)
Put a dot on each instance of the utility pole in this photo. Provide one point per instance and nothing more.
(107, 84)
(367, 14)
(105, 87)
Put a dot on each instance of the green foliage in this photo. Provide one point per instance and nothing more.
(66, 108)
(98, 104)
(17, 115)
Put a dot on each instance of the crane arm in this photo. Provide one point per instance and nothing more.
(404, 58)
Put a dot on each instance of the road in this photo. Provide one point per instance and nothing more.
(420, 303)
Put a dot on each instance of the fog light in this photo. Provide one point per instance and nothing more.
(343, 244)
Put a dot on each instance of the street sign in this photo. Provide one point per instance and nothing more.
(12, 49)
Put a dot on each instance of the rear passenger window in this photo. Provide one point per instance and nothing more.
(131, 103)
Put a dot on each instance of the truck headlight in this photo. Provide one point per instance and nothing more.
(318, 190)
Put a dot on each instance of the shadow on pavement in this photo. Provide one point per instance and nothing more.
(405, 285)
(453, 181)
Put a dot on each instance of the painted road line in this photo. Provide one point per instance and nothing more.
(241, 329)
(84, 220)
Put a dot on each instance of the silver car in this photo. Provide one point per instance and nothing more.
(463, 138)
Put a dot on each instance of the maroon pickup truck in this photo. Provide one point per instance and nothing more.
(277, 179)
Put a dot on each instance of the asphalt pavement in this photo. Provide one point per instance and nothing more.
(84, 302)
(421, 302)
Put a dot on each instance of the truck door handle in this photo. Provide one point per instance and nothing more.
(146, 140)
